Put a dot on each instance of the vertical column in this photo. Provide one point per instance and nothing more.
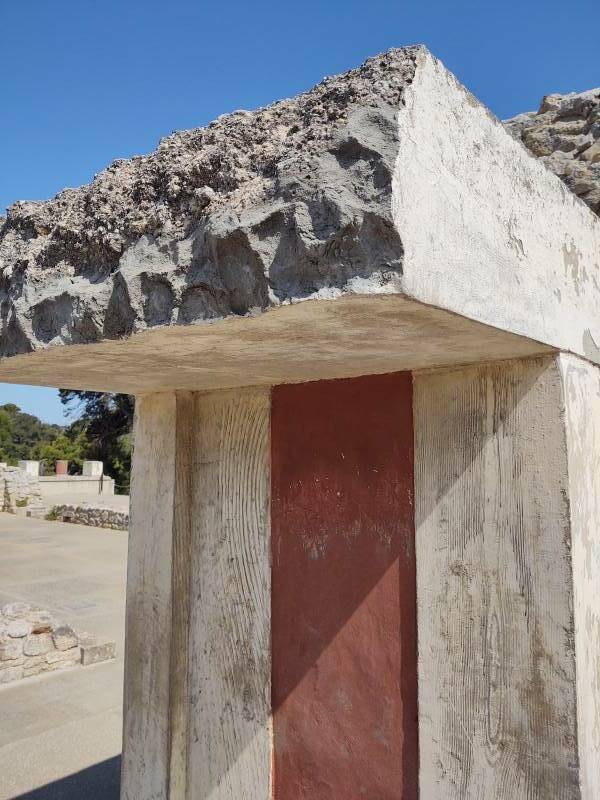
(229, 737)
(497, 677)
(155, 703)
(582, 403)
(197, 667)
(343, 604)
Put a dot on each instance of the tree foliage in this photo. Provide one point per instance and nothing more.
(105, 420)
(100, 431)
(71, 448)
(23, 435)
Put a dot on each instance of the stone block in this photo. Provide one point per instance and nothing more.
(15, 662)
(36, 669)
(17, 629)
(64, 664)
(32, 661)
(58, 656)
(95, 653)
(30, 467)
(64, 637)
(92, 469)
(11, 649)
(38, 644)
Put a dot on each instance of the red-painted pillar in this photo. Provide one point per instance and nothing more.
(343, 590)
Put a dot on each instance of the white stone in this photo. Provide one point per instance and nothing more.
(17, 629)
(38, 644)
(30, 467)
(93, 469)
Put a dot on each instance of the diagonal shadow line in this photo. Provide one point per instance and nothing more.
(101, 781)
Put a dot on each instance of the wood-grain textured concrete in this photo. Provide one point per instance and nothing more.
(497, 680)
(582, 404)
(197, 694)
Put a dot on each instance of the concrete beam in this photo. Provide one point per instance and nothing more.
(382, 221)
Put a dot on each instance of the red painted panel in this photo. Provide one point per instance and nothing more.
(343, 592)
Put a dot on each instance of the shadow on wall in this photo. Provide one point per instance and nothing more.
(98, 782)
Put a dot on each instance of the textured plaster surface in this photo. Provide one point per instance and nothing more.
(388, 180)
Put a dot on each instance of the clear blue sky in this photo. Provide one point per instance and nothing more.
(85, 82)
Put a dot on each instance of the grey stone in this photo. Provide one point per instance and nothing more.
(36, 669)
(564, 133)
(37, 644)
(95, 516)
(95, 653)
(73, 654)
(18, 628)
(64, 663)
(250, 212)
(11, 650)
(64, 637)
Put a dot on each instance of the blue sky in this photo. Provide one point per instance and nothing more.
(85, 82)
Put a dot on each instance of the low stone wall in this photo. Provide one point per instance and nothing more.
(32, 642)
(18, 489)
(77, 485)
(88, 514)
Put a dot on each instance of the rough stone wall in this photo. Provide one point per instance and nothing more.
(288, 201)
(32, 642)
(89, 514)
(565, 134)
(18, 488)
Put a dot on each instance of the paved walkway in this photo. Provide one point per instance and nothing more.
(60, 735)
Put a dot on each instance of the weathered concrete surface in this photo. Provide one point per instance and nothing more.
(499, 689)
(197, 696)
(389, 180)
(565, 134)
(582, 410)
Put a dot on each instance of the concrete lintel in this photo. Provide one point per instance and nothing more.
(390, 180)
(312, 340)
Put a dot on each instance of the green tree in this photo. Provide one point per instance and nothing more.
(22, 434)
(106, 421)
(64, 448)
(6, 435)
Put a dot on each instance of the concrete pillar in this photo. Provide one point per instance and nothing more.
(61, 467)
(197, 685)
(92, 469)
(507, 459)
(271, 609)
(30, 467)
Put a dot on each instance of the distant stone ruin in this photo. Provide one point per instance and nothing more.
(32, 642)
(565, 134)
(18, 489)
